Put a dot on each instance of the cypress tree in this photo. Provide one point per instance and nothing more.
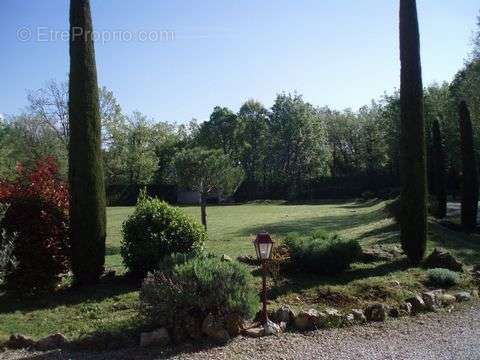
(439, 171)
(87, 189)
(413, 212)
(470, 171)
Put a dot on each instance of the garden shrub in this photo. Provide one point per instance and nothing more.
(156, 230)
(443, 278)
(36, 221)
(322, 253)
(198, 287)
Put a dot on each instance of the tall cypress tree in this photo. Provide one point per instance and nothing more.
(413, 213)
(470, 171)
(87, 188)
(439, 171)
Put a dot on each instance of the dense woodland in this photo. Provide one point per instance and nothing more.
(292, 150)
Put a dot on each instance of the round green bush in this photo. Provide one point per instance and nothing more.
(322, 253)
(443, 278)
(156, 230)
(200, 286)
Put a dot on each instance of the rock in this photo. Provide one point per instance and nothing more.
(440, 258)
(283, 325)
(158, 337)
(284, 314)
(226, 258)
(430, 300)
(19, 342)
(249, 260)
(233, 324)
(462, 296)
(332, 317)
(405, 309)
(418, 305)
(376, 312)
(349, 319)
(214, 328)
(270, 328)
(193, 327)
(50, 342)
(446, 299)
(309, 319)
(255, 332)
(359, 316)
(394, 312)
(475, 294)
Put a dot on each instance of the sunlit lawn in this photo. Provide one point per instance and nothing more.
(110, 307)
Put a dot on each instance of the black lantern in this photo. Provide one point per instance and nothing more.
(263, 246)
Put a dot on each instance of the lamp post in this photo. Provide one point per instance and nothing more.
(263, 247)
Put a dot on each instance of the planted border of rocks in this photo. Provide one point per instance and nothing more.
(312, 319)
(281, 320)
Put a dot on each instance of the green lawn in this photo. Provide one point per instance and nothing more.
(110, 307)
(231, 228)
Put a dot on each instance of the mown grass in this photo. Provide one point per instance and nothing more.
(111, 307)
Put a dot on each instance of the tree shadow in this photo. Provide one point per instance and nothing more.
(333, 223)
(299, 281)
(11, 302)
(465, 246)
(360, 204)
(112, 250)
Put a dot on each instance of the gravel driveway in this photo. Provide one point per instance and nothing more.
(434, 336)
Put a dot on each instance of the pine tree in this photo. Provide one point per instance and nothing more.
(470, 171)
(413, 213)
(439, 172)
(87, 189)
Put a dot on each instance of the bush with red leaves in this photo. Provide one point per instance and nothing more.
(36, 220)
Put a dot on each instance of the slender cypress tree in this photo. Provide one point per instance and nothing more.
(87, 188)
(413, 213)
(470, 171)
(439, 171)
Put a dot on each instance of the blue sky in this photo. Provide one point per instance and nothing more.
(340, 53)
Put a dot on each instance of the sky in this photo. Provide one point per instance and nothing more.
(176, 60)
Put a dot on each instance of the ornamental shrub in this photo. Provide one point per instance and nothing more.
(36, 223)
(198, 287)
(156, 230)
(443, 278)
(322, 253)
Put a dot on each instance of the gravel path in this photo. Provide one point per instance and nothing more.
(434, 336)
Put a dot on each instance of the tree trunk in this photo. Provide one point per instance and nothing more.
(413, 215)
(86, 178)
(470, 172)
(203, 210)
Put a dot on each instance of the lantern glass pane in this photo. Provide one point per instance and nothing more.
(265, 249)
(257, 250)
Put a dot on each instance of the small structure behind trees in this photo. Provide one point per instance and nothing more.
(207, 172)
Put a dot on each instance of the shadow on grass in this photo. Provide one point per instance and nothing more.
(297, 282)
(307, 225)
(112, 250)
(465, 246)
(360, 204)
(11, 302)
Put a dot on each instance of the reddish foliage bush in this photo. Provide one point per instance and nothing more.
(37, 221)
